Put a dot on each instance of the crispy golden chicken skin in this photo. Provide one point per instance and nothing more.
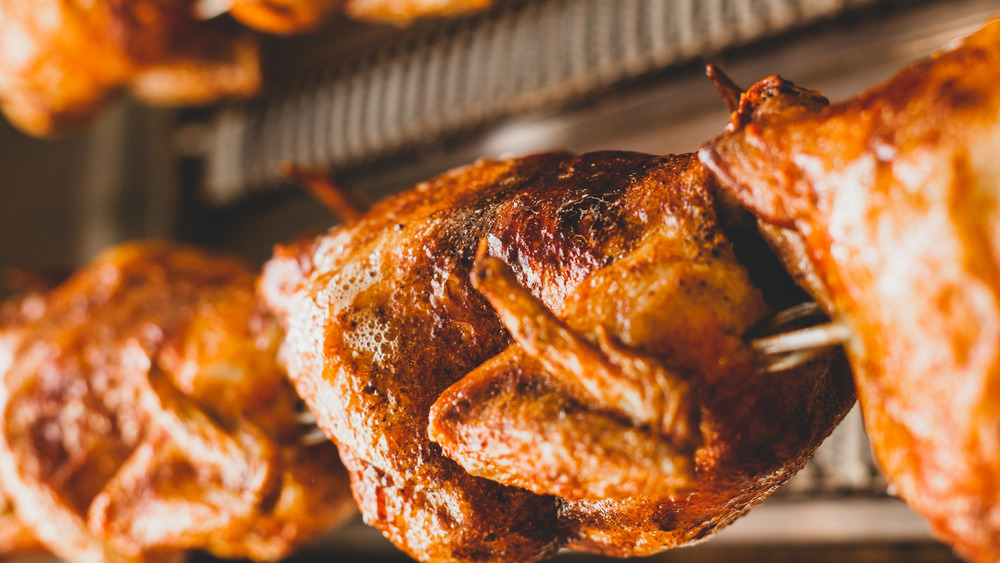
(595, 358)
(16, 537)
(301, 16)
(888, 202)
(285, 17)
(404, 12)
(144, 414)
(61, 59)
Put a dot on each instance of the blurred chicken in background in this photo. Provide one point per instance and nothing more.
(61, 60)
(144, 414)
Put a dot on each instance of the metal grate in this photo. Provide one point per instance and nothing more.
(459, 75)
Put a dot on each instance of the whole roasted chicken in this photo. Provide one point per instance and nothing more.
(144, 414)
(62, 60)
(543, 351)
(886, 204)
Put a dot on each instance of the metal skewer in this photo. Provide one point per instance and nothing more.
(786, 348)
(780, 351)
(310, 433)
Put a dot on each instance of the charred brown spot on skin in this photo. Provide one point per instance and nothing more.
(573, 221)
(957, 97)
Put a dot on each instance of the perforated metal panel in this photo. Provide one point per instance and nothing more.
(458, 75)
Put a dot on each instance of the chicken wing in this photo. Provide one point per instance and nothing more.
(597, 353)
(887, 203)
(144, 414)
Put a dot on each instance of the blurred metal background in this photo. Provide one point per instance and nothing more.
(433, 82)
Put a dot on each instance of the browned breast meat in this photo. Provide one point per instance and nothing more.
(589, 385)
(888, 203)
(144, 414)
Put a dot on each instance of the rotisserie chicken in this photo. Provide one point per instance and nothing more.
(887, 205)
(589, 386)
(144, 414)
(60, 60)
